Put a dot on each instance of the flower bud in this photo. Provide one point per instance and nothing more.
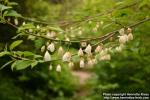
(82, 64)
(97, 25)
(50, 67)
(43, 48)
(58, 68)
(67, 39)
(88, 49)
(48, 35)
(30, 30)
(94, 61)
(90, 63)
(9, 19)
(90, 22)
(121, 31)
(80, 32)
(129, 30)
(23, 23)
(47, 56)
(103, 52)
(95, 29)
(80, 52)
(119, 49)
(16, 21)
(52, 34)
(51, 47)
(105, 57)
(130, 36)
(98, 49)
(71, 64)
(60, 51)
(47, 43)
(37, 26)
(102, 22)
(66, 57)
(71, 28)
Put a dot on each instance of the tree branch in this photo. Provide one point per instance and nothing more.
(102, 38)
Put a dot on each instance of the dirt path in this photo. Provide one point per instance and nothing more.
(82, 76)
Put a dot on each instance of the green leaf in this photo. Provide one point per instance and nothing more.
(21, 64)
(107, 25)
(38, 56)
(28, 53)
(34, 64)
(13, 65)
(4, 53)
(26, 26)
(144, 3)
(38, 43)
(56, 29)
(15, 44)
(12, 3)
(3, 7)
(9, 62)
(20, 34)
(11, 13)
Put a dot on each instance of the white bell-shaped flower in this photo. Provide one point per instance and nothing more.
(122, 31)
(47, 56)
(60, 51)
(98, 49)
(43, 48)
(130, 36)
(123, 39)
(88, 49)
(51, 47)
(80, 52)
(58, 68)
(66, 57)
(82, 64)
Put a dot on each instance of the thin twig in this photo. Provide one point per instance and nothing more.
(82, 20)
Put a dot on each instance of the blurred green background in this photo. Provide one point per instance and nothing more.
(127, 71)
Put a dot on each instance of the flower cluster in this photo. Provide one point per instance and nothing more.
(88, 54)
